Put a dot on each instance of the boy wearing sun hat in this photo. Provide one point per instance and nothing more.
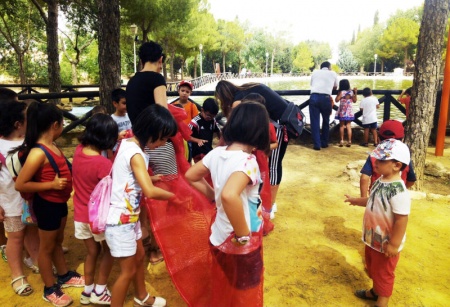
(385, 219)
(389, 129)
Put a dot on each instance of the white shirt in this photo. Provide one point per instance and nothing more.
(123, 122)
(323, 81)
(222, 163)
(10, 199)
(369, 106)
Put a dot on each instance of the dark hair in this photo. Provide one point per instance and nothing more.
(248, 124)
(40, 117)
(225, 92)
(151, 52)
(101, 132)
(325, 64)
(7, 94)
(367, 92)
(210, 105)
(344, 85)
(118, 94)
(99, 109)
(408, 91)
(155, 122)
(11, 112)
(254, 97)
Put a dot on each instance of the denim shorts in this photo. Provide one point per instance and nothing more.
(121, 239)
(370, 126)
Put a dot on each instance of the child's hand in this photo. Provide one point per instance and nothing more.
(390, 250)
(122, 134)
(201, 142)
(156, 178)
(59, 183)
(351, 200)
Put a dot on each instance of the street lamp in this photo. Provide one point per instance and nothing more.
(200, 47)
(375, 65)
(134, 29)
(267, 61)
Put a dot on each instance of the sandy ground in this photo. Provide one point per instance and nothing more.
(314, 257)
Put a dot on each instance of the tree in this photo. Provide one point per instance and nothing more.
(108, 49)
(303, 61)
(426, 83)
(320, 51)
(347, 62)
(376, 18)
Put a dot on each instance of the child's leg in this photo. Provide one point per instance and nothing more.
(14, 247)
(341, 129)
(46, 247)
(139, 278)
(93, 250)
(106, 264)
(375, 136)
(349, 131)
(366, 135)
(58, 254)
(31, 242)
(120, 287)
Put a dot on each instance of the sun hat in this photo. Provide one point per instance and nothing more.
(186, 83)
(392, 129)
(392, 149)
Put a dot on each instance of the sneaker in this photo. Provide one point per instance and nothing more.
(274, 207)
(3, 251)
(73, 279)
(85, 299)
(101, 299)
(29, 264)
(57, 297)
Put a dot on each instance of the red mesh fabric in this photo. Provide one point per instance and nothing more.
(180, 115)
(265, 193)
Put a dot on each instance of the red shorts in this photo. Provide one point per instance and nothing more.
(381, 269)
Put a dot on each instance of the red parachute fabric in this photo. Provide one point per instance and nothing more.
(265, 194)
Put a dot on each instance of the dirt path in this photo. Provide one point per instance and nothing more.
(314, 255)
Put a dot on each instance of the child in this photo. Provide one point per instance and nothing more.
(12, 131)
(369, 106)
(405, 98)
(389, 129)
(89, 167)
(185, 89)
(120, 116)
(203, 127)
(385, 219)
(345, 97)
(123, 233)
(235, 174)
(44, 126)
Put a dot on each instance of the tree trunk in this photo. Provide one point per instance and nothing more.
(426, 83)
(195, 66)
(405, 60)
(73, 65)
(23, 79)
(54, 74)
(223, 62)
(108, 50)
(172, 70)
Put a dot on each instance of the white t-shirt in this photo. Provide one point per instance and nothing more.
(323, 81)
(10, 199)
(125, 192)
(222, 163)
(385, 199)
(123, 122)
(369, 106)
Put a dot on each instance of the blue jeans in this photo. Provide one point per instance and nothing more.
(320, 104)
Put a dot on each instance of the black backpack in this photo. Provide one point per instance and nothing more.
(294, 120)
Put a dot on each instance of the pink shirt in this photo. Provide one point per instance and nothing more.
(87, 171)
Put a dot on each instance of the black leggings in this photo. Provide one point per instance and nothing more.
(48, 214)
(276, 158)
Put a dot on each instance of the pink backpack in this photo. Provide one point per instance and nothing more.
(99, 203)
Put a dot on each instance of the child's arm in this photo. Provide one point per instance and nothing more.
(199, 142)
(232, 203)
(338, 97)
(364, 185)
(24, 182)
(195, 176)
(355, 93)
(356, 201)
(398, 232)
(273, 145)
(143, 178)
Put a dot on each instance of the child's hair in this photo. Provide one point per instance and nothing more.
(7, 94)
(367, 92)
(154, 123)
(99, 109)
(344, 85)
(118, 94)
(210, 105)
(11, 112)
(101, 132)
(408, 91)
(40, 117)
(150, 52)
(254, 97)
(248, 124)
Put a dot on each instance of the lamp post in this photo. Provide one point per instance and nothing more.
(134, 29)
(267, 61)
(200, 47)
(375, 65)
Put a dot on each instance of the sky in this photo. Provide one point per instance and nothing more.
(329, 21)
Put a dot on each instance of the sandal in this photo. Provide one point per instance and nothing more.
(159, 302)
(341, 143)
(156, 257)
(24, 289)
(363, 295)
(348, 144)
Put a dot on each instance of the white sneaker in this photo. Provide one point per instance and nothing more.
(85, 299)
(274, 207)
(103, 298)
(29, 264)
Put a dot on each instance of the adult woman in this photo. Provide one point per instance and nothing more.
(229, 95)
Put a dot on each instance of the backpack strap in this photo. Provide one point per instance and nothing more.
(50, 159)
(2, 159)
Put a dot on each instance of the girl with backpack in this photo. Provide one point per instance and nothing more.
(131, 181)
(46, 173)
(89, 167)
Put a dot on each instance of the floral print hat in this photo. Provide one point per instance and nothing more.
(392, 149)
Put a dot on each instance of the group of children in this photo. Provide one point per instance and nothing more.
(235, 189)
